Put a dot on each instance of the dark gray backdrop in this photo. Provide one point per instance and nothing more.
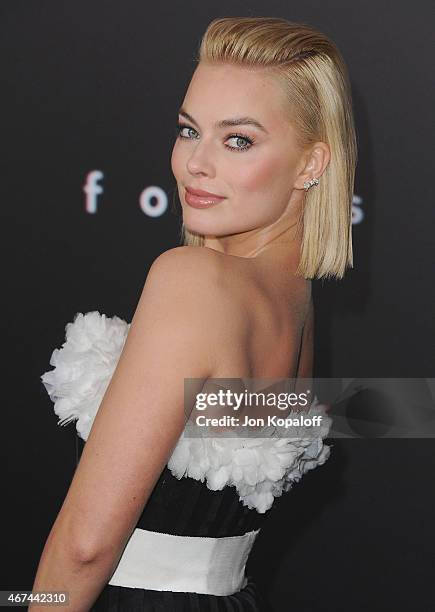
(96, 86)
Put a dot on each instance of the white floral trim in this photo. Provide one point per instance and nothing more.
(259, 468)
(83, 367)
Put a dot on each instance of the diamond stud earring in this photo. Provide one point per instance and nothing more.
(308, 184)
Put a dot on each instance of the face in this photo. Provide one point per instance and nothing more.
(253, 167)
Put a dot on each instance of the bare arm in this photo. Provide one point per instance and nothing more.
(134, 432)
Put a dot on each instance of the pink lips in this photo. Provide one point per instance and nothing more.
(201, 199)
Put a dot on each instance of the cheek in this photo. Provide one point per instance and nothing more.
(266, 174)
(256, 176)
(176, 161)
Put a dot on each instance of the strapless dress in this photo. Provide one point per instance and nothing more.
(189, 549)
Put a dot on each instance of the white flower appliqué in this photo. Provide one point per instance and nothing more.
(259, 468)
(84, 366)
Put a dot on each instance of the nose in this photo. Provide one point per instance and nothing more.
(200, 160)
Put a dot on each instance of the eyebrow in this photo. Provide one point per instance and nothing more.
(227, 122)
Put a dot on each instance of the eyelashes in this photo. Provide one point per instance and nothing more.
(250, 141)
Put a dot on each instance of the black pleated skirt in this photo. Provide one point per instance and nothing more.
(124, 599)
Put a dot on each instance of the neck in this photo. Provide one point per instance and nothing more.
(258, 242)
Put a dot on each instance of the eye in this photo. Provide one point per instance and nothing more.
(239, 138)
(180, 127)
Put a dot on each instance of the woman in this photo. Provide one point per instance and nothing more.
(264, 161)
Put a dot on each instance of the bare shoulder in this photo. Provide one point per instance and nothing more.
(187, 273)
(186, 286)
(184, 307)
(185, 262)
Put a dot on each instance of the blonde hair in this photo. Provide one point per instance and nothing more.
(313, 73)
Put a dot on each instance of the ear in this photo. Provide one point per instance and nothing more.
(314, 163)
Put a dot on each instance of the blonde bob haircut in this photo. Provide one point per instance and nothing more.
(310, 68)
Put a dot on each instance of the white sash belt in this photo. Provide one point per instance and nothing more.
(165, 562)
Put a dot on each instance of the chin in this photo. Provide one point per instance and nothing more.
(195, 229)
(193, 222)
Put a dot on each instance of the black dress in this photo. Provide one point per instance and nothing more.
(213, 496)
(187, 507)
